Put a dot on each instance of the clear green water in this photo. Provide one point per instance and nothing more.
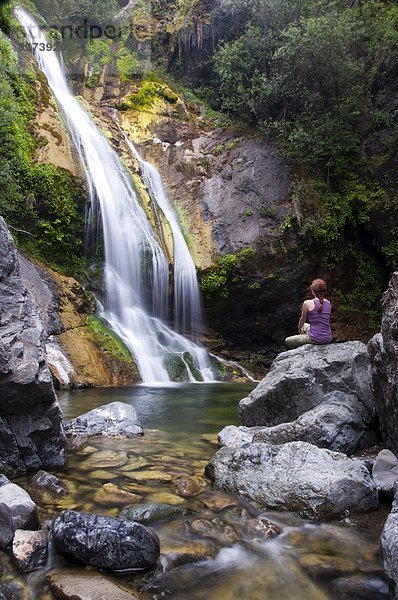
(228, 559)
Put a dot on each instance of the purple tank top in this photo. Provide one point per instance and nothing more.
(320, 331)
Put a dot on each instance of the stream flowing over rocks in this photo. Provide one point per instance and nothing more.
(31, 432)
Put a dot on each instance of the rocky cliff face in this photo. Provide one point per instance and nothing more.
(232, 195)
(31, 433)
(383, 350)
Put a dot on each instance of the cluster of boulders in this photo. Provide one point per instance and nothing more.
(302, 423)
(104, 542)
(305, 428)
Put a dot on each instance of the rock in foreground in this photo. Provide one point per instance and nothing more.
(295, 476)
(299, 380)
(31, 434)
(383, 352)
(105, 542)
(112, 420)
(340, 423)
(77, 584)
(389, 546)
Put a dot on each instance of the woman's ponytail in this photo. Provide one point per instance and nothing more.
(318, 286)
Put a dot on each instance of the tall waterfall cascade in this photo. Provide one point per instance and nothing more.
(187, 300)
(136, 272)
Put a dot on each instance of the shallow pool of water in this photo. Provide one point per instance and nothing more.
(220, 549)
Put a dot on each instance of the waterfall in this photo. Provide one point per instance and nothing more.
(61, 364)
(136, 274)
(188, 311)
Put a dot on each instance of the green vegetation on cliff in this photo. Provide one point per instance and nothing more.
(41, 203)
(312, 76)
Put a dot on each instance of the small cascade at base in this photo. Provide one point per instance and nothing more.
(59, 363)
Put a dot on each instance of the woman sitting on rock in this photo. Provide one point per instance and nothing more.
(314, 323)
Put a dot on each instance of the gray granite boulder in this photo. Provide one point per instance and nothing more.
(112, 420)
(389, 546)
(300, 379)
(339, 423)
(6, 525)
(295, 476)
(385, 472)
(105, 542)
(20, 506)
(383, 353)
(236, 436)
(31, 434)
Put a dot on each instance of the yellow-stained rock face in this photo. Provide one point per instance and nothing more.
(54, 142)
(94, 365)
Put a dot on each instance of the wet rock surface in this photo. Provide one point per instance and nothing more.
(112, 420)
(31, 434)
(383, 352)
(49, 483)
(76, 584)
(299, 380)
(105, 542)
(151, 513)
(287, 477)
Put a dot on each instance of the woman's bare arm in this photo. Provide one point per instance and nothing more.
(303, 316)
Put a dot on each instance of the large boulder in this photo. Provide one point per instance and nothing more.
(116, 419)
(31, 433)
(339, 423)
(105, 542)
(300, 379)
(383, 352)
(17, 503)
(295, 476)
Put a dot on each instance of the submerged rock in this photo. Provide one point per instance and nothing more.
(78, 584)
(105, 542)
(116, 419)
(299, 380)
(50, 483)
(152, 513)
(295, 476)
(29, 549)
(383, 352)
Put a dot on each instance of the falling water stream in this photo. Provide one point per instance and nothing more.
(136, 272)
(187, 300)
